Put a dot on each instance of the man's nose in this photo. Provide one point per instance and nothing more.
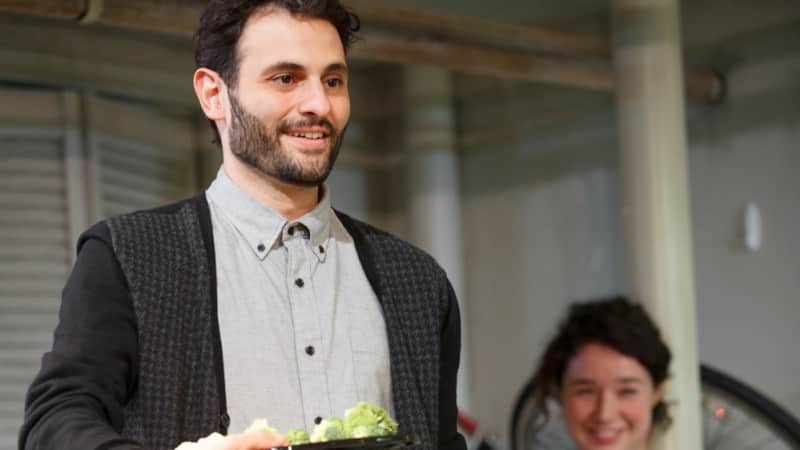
(315, 101)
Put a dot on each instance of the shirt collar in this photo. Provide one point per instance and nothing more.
(263, 228)
(318, 222)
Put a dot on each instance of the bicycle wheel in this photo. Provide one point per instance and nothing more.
(735, 417)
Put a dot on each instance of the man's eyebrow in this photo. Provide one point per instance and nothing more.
(282, 66)
(337, 67)
(286, 66)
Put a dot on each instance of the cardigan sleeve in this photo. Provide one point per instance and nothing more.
(77, 399)
(449, 437)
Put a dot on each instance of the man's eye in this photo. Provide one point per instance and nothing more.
(334, 82)
(284, 79)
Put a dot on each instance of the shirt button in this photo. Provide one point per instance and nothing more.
(290, 231)
(321, 249)
(261, 247)
(299, 282)
(310, 350)
(317, 420)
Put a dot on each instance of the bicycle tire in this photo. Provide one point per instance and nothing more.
(780, 420)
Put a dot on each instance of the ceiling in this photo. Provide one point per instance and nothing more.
(716, 33)
(522, 12)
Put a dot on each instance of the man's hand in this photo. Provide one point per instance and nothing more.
(254, 440)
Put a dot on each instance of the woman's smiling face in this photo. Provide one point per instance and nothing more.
(608, 399)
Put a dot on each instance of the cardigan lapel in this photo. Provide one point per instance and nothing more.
(206, 230)
(406, 392)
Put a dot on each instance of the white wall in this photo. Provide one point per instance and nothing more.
(542, 227)
(531, 248)
(748, 303)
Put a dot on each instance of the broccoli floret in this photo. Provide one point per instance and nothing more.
(297, 437)
(364, 420)
(361, 421)
(362, 431)
(329, 430)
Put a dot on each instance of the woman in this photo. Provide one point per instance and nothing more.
(606, 367)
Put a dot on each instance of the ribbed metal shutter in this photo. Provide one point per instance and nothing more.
(141, 158)
(34, 263)
(135, 176)
(62, 167)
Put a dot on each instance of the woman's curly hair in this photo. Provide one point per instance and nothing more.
(617, 323)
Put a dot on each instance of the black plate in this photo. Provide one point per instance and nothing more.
(372, 443)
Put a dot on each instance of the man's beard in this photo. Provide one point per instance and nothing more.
(259, 147)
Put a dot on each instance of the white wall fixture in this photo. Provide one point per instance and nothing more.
(752, 227)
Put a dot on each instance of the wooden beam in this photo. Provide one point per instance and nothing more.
(400, 36)
(57, 9)
(474, 30)
(589, 73)
(173, 17)
(392, 48)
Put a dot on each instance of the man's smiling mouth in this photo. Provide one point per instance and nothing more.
(309, 135)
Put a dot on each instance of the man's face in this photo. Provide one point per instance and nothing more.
(290, 105)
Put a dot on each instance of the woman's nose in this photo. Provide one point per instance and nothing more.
(606, 407)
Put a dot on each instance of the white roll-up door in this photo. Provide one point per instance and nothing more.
(34, 245)
(140, 156)
(63, 166)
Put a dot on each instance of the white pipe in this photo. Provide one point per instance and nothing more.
(653, 145)
(435, 203)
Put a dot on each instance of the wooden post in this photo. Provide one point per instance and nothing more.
(434, 196)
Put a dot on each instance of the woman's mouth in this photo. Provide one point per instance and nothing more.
(605, 436)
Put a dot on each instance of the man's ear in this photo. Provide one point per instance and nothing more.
(212, 92)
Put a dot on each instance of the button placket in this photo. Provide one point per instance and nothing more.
(307, 332)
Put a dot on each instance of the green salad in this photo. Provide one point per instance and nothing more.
(361, 421)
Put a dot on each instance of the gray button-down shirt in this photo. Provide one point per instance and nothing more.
(302, 331)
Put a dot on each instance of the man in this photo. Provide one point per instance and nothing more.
(255, 298)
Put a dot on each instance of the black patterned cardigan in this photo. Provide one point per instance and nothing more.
(172, 386)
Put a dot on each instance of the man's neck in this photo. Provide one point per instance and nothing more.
(289, 200)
